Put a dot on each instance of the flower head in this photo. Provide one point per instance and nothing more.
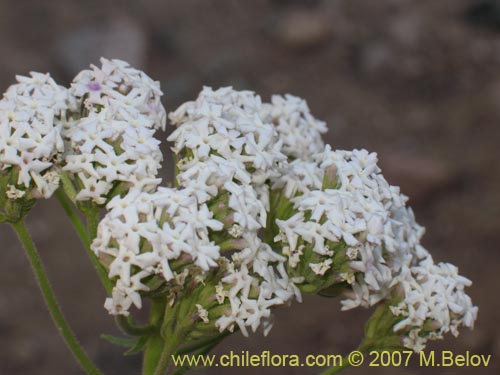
(299, 132)
(130, 93)
(111, 143)
(206, 232)
(31, 116)
(354, 236)
(431, 302)
(256, 283)
(153, 234)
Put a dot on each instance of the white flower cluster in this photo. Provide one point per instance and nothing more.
(225, 145)
(226, 149)
(143, 232)
(355, 213)
(31, 115)
(298, 130)
(256, 283)
(298, 177)
(433, 302)
(300, 136)
(133, 95)
(112, 140)
(366, 218)
(230, 144)
(246, 169)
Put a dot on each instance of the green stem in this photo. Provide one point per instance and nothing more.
(73, 216)
(67, 186)
(155, 342)
(198, 350)
(172, 332)
(334, 370)
(85, 236)
(92, 222)
(365, 347)
(165, 357)
(176, 169)
(51, 302)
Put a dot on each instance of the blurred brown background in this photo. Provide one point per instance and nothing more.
(416, 81)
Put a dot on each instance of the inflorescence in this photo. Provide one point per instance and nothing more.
(262, 210)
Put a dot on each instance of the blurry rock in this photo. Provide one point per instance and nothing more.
(418, 176)
(301, 29)
(406, 29)
(121, 38)
(484, 13)
(374, 57)
(381, 59)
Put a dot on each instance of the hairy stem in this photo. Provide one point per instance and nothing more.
(92, 223)
(349, 361)
(155, 344)
(51, 302)
(73, 216)
(336, 369)
(176, 169)
(85, 236)
(165, 357)
(199, 348)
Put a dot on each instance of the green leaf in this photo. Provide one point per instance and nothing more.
(121, 341)
(139, 346)
(26, 206)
